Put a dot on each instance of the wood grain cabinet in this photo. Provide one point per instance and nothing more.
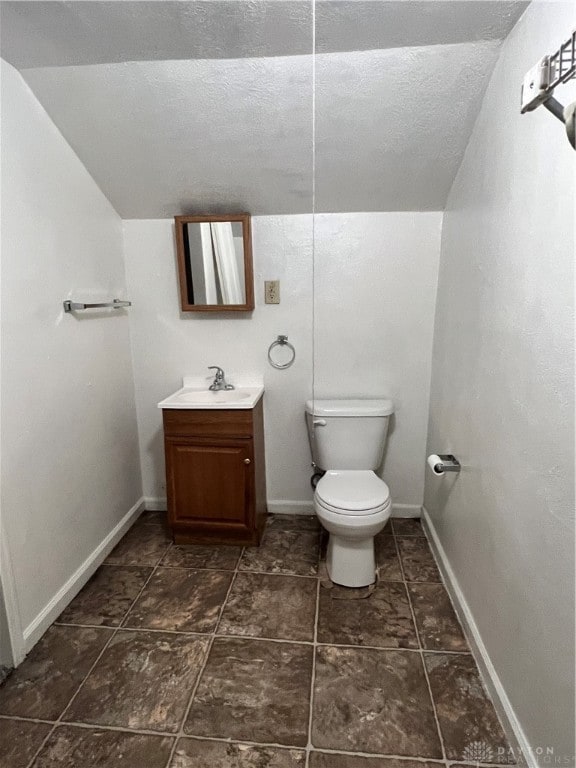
(215, 475)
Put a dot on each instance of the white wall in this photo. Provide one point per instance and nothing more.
(70, 467)
(503, 389)
(375, 283)
(168, 344)
(375, 288)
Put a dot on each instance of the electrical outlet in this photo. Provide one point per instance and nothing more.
(272, 291)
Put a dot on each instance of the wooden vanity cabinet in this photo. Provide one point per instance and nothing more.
(215, 475)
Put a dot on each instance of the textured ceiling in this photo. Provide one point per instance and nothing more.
(44, 34)
(207, 105)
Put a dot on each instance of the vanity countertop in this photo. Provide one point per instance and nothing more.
(206, 399)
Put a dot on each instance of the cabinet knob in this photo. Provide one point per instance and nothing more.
(247, 461)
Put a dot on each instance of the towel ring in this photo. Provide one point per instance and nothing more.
(281, 341)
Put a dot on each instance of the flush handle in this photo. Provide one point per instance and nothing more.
(247, 461)
(319, 422)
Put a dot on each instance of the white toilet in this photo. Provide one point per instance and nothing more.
(347, 440)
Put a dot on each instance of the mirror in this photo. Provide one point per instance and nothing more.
(215, 263)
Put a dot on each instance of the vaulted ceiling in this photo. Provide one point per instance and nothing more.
(208, 104)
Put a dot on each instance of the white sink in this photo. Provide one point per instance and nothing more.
(187, 397)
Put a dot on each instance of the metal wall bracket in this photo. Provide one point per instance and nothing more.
(540, 82)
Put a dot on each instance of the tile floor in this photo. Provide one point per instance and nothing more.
(218, 657)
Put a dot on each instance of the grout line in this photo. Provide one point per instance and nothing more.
(411, 758)
(115, 631)
(118, 729)
(393, 648)
(271, 573)
(230, 635)
(27, 719)
(422, 659)
(136, 629)
(378, 755)
(248, 742)
(180, 733)
(195, 567)
(245, 742)
(314, 650)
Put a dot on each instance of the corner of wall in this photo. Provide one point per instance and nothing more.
(490, 678)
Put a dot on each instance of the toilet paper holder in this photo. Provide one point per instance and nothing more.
(447, 463)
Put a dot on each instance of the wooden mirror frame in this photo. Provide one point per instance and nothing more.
(180, 222)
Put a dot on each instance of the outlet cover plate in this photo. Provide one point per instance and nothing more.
(272, 291)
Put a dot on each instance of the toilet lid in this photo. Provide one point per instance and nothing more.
(350, 490)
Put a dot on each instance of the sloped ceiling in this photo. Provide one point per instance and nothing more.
(207, 105)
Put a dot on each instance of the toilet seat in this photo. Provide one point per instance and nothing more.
(354, 493)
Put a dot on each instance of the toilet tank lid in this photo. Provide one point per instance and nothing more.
(350, 407)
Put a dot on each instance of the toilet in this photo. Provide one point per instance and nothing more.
(353, 504)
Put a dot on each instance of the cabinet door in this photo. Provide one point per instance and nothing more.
(210, 483)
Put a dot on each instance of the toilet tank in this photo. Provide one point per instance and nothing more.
(348, 434)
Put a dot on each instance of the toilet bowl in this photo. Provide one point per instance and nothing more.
(353, 506)
(352, 503)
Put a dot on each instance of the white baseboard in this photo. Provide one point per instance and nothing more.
(34, 631)
(285, 507)
(155, 503)
(502, 703)
(406, 510)
(17, 650)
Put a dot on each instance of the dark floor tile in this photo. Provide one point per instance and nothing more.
(417, 559)
(330, 760)
(181, 599)
(260, 605)
(153, 517)
(45, 682)
(387, 530)
(220, 558)
(143, 680)
(370, 700)
(387, 560)
(70, 747)
(479, 751)
(19, 742)
(142, 545)
(108, 595)
(287, 552)
(293, 523)
(382, 619)
(194, 753)
(407, 526)
(438, 626)
(254, 690)
(466, 715)
(323, 546)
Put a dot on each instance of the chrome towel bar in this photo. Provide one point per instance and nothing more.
(77, 306)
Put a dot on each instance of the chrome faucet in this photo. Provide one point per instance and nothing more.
(219, 382)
